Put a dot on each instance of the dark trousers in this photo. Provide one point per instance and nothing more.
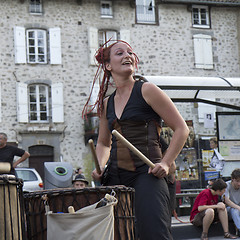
(152, 203)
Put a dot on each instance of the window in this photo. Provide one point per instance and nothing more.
(35, 6)
(38, 103)
(105, 35)
(203, 51)
(106, 9)
(35, 104)
(200, 16)
(30, 46)
(97, 37)
(36, 46)
(145, 11)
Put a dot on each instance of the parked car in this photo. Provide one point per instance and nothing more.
(32, 181)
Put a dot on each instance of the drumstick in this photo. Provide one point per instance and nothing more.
(94, 156)
(133, 149)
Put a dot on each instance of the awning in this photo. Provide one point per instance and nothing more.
(199, 89)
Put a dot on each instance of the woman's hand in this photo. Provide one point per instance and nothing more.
(96, 176)
(160, 170)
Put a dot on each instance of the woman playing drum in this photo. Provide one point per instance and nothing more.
(135, 109)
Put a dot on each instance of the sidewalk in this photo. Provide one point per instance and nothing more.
(186, 231)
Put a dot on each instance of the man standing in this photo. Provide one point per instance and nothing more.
(7, 153)
(232, 197)
(207, 209)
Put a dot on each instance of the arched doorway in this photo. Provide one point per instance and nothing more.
(39, 155)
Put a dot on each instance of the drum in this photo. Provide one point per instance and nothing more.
(59, 200)
(12, 208)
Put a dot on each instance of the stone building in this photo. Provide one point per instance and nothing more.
(47, 64)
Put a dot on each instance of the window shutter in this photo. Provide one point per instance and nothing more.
(208, 56)
(198, 51)
(92, 44)
(94, 95)
(125, 35)
(57, 103)
(19, 45)
(22, 102)
(55, 46)
(203, 51)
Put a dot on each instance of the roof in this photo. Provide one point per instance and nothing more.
(199, 89)
(209, 2)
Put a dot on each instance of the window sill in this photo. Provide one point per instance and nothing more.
(106, 16)
(201, 26)
(37, 14)
(147, 23)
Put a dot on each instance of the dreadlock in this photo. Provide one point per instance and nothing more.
(102, 56)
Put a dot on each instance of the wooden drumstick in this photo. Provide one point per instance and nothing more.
(94, 156)
(133, 149)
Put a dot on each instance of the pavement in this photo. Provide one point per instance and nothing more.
(186, 231)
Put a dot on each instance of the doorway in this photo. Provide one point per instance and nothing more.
(38, 155)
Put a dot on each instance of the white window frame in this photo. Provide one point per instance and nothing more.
(38, 103)
(35, 7)
(55, 103)
(39, 36)
(106, 9)
(145, 11)
(105, 35)
(200, 16)
(94, 42)
(203, 51)
(54, 51)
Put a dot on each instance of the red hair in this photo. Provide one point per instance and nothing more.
(102, 56)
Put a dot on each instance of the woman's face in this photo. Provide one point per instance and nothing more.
(122, 59)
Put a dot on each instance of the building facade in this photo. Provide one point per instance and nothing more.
(47, 62)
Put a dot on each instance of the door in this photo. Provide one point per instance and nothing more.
(39, 155)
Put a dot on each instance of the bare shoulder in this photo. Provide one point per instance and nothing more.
(152, 92)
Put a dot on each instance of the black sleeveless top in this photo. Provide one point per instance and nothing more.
(140, 125)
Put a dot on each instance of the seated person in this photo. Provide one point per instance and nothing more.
(232, 197)
(207, 209)
(79, 182)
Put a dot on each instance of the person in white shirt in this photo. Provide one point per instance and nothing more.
(232, 197)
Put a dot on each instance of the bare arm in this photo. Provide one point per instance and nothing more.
(231, 204)
(220, 205)
(103, 143)
(166, 109)
(23, 158)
